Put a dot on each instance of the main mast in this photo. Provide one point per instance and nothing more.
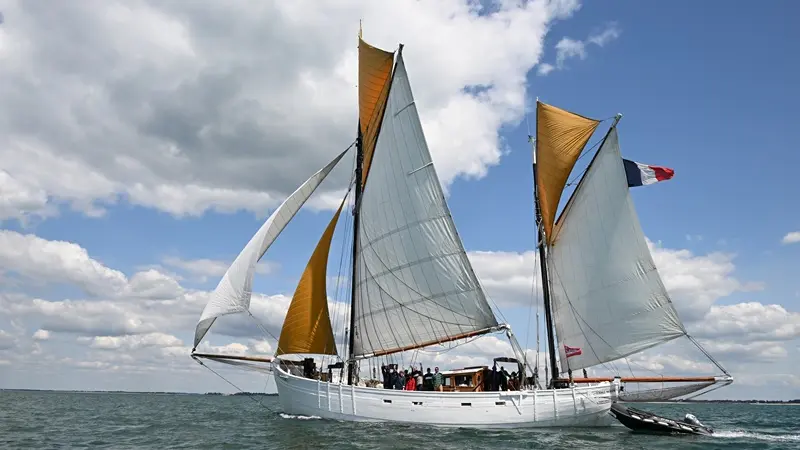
(551, 341)
(351, 362)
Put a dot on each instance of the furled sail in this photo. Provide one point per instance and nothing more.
(560, 139)
(414, 284)
(374, 71)
(607, 297)
(307, 326)
(233, 292)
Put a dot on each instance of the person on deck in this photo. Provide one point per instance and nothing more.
(411, 383)
(400, 381)
(418, 377)
(427, 381)
(438, 380)
(385, 373)
(503, 379)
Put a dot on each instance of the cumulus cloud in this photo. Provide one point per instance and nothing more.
(204, 268)
(568, 48)
(150, 334)
(791, 238)
(694, 282)
(132, 342)
(190, 107)
(41, 335)
(508, 277)
(753, 319)
(39, 260)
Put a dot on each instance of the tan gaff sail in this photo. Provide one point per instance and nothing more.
(307, 326)
(560, 139)
(374, 72)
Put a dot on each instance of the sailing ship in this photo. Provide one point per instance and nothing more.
(413, 286)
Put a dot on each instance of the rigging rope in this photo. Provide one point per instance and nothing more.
(248, 395)
(719, 366)
(584, 153)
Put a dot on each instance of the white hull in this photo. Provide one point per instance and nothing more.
(583, 406)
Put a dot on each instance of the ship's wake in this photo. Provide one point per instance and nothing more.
(291, 416)
(742, 434)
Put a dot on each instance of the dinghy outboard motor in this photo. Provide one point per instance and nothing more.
(690, 418)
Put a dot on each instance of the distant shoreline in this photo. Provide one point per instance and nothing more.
(275, 394)
(77, 391)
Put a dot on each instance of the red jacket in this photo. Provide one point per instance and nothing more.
(411, 384)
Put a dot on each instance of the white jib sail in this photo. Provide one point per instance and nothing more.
(607, 297)
(414, 282)
(233, 292)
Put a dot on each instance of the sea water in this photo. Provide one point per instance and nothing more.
(66, 420)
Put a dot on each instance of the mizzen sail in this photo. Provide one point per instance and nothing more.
(414, 283)
(232, 294)
(608, 298)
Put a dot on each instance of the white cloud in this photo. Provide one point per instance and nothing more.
(610, 33)
(41, 335)
(7, 341)
(133, 342)
(752, 319)
(189, 113)
(747, 351)
(42, 261)
(141, 335)
(694, 282)
(791, 238)
(545, 68)
(508, 277)
(205, 268)
(568, 48)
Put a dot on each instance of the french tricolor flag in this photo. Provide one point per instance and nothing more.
(639, 174)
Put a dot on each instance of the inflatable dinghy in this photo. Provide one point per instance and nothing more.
(643, 421)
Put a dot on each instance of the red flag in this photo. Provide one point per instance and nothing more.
(572, 351)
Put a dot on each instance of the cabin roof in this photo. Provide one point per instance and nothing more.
(468, 371)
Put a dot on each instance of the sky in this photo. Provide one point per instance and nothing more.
(142, 143)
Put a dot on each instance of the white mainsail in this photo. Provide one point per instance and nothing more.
(414, 283)
(607, 296)
(234, 290)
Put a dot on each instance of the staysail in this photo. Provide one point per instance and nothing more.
(607, 296)
(232, 294)
(307, 326)
(414, 283)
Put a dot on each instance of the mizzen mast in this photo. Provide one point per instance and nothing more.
(541, 246)
(560, 139)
